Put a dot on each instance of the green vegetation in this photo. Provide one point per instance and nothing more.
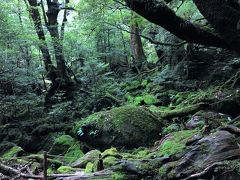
(65, 169)
(89, 168)
(118, 117)
(73, 153)
(140, 86)
(13, 152)
(118, 176)
(176, 142)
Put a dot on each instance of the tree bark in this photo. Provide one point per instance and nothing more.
(159, 13)
(136, 42)
(35, 15)
(224, 18)
(52, 24)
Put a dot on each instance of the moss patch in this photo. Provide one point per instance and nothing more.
(171, 128)
(65, 169)
(13, 152)
(62, 144)
(73, 153)
(89, 168)
(118, 117)
(118, 176)
(65, 140)
(109, 161)
(176, 143)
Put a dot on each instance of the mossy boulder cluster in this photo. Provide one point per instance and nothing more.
(127, 126)
(68, 147)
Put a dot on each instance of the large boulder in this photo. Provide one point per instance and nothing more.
(217, 149)
(127, 126)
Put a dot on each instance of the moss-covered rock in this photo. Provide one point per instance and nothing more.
(171, 128)
(91, 156)
(127, 126)
(13, 152)
(65, 169)
(67, 146)
(176, 143)
(219, 147)
(89, 168)
(173, 143)
(207, 118)
(73, 153)
(109, 161)
(111, 152)
(61, 144)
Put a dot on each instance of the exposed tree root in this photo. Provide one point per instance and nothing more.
(184, 111)
(7, 170)
(205, 172)
(232, 129)
(232, 81)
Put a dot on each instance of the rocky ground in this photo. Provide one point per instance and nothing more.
(165, 124)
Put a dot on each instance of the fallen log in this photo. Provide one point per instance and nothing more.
(7, 170)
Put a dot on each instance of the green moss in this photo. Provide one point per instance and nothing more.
(73, 153)
(138, 100)
(13, 152)
(51, 162)
(109, 161)
(110, 152)
(133, 85)
(140, 153)
(119, 117)
(149, 99)
(62, 144)
(165, 170)
(65, 169)
(176, 143)
(171, 128)
(144, 83)
(160, 109)
(118, 176)
(65, 140)
(50, 171)
(89, 168)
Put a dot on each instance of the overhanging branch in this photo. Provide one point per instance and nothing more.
(160, 14)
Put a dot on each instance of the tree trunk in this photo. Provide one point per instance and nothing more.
(52, 24)
(224, 18)
(35, 15)
(136, 42)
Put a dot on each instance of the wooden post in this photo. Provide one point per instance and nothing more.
(45, 165)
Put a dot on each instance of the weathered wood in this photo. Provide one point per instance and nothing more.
(7, 170)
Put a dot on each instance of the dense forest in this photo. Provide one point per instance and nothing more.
(120, 89)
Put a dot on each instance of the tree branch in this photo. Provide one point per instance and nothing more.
(160, 14)
(148, 38)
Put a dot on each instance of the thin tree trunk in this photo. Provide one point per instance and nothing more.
(35, 15)
(52, 14)
(136, 43)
